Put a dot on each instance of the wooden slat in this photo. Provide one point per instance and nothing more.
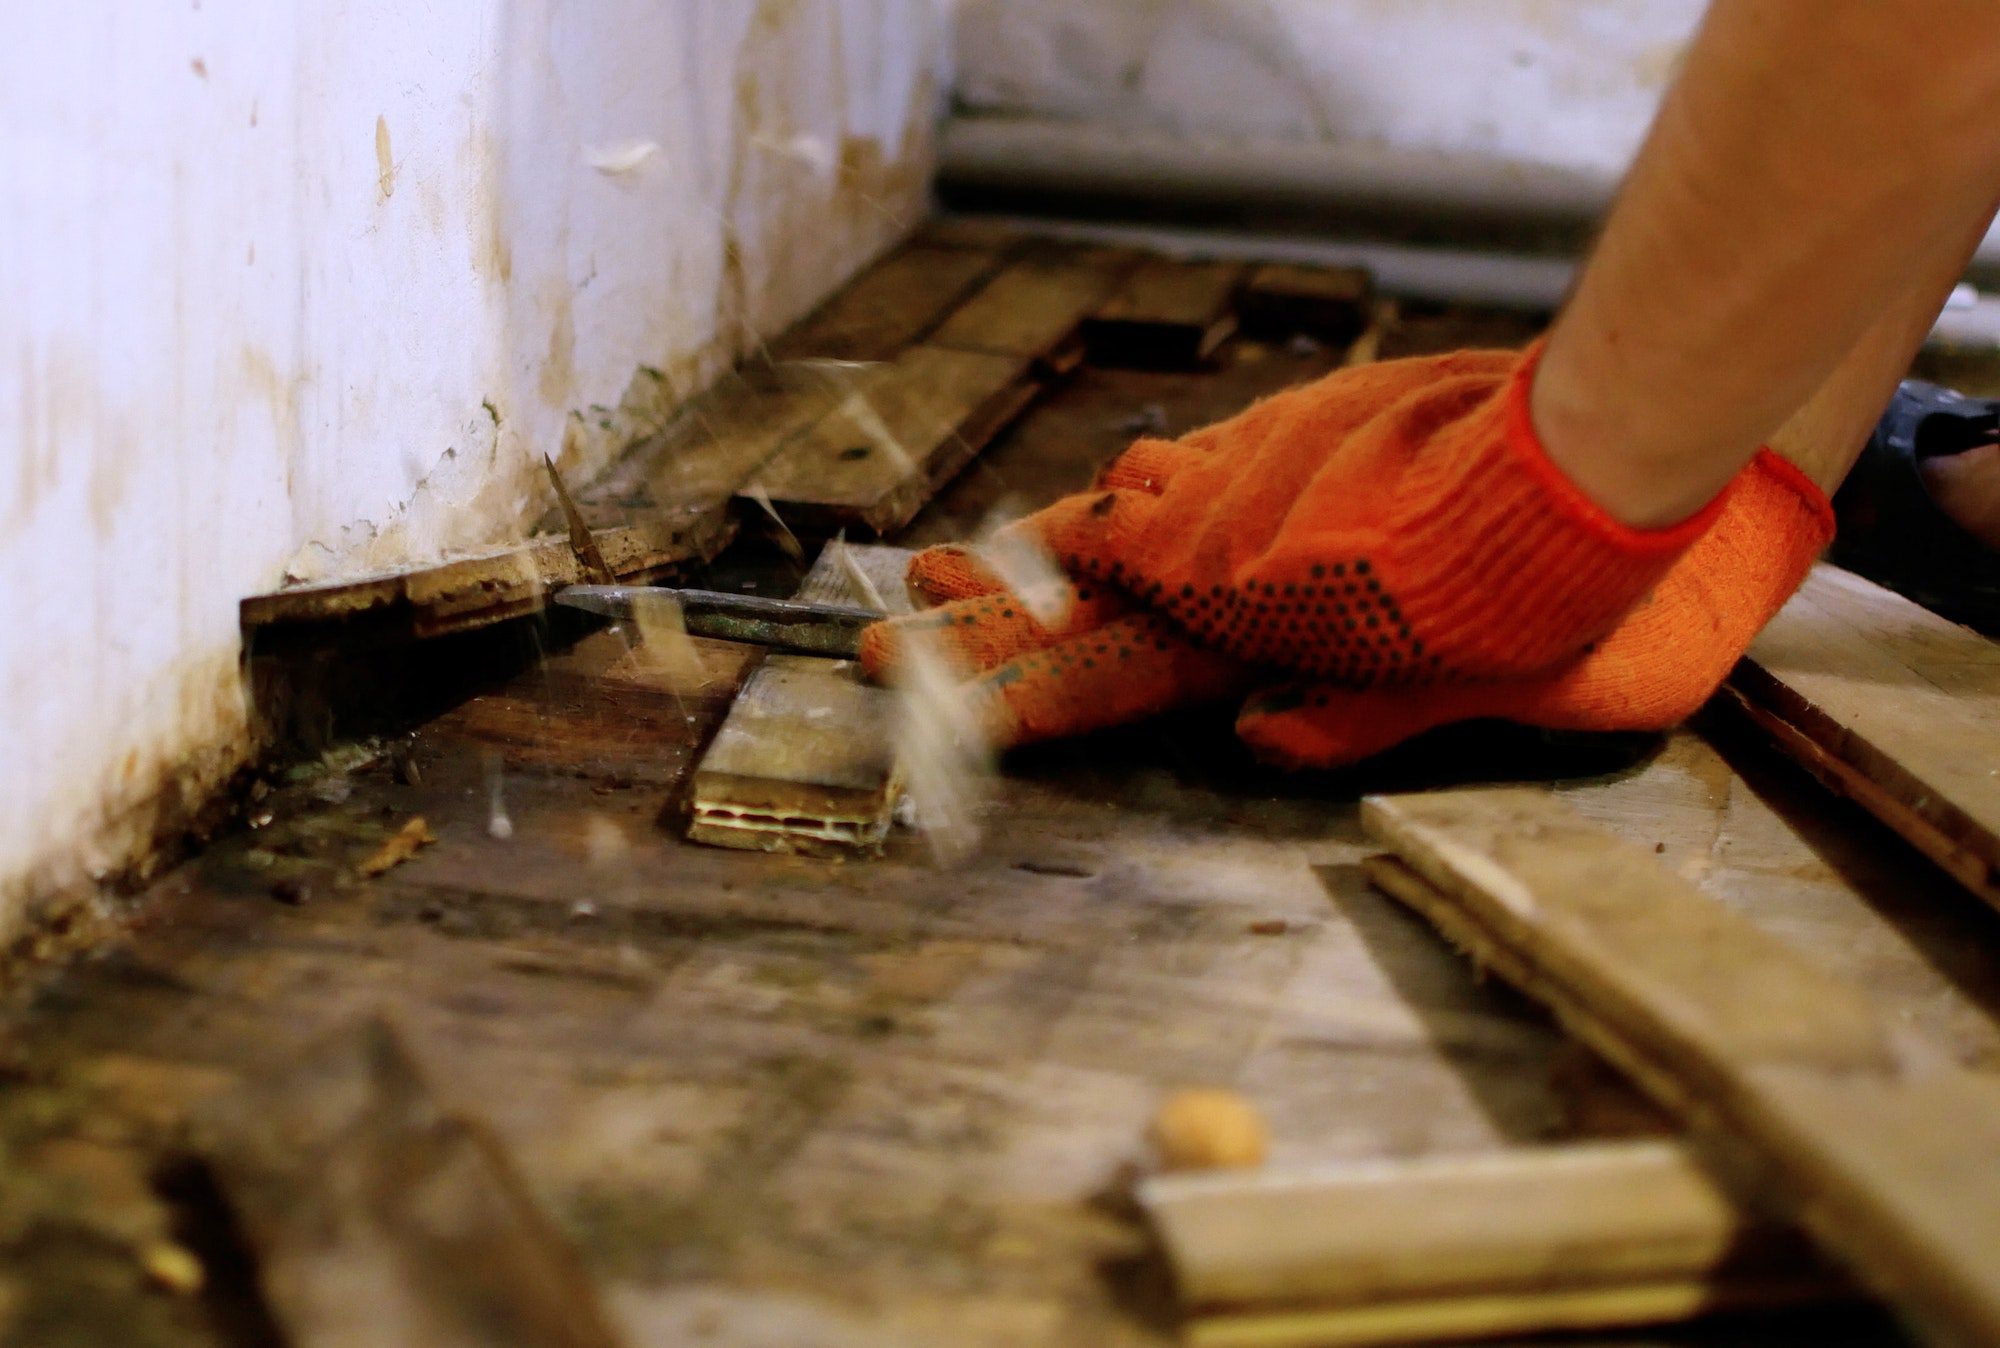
(1891, 705)
(1514, 1241)
(1889, 1157)
(1168, 315)
(898, 432)
(892, 304)
(806, 761)
(377, 1216)
(1457, 1320)
(901, 429)
(489, 587)
(1331, 304)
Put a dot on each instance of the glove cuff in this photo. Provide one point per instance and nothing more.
(1817, 516)
(1560, 570)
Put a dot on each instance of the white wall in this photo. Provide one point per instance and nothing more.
(1569, 83)
(301, 287)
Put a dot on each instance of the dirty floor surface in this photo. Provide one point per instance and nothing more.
(782, 1101)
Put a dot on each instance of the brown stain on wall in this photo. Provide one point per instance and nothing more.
(557, 381)
(280, 394)
(107, 485)
(156, 801)
(60, 406)
(385, 161)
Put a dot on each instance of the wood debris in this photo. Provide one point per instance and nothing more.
(1209, 1129)
(403, 844)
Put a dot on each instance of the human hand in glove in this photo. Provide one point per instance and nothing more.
(1394, 523)
(1110, 659)
(1658, 666)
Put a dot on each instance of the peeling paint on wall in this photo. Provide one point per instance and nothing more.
(320, 309)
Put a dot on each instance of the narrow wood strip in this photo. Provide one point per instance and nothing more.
(1034, 306)
(897, 301)
(1958, 860)
(1891, 705)
(489, 587)
(1516, 1223)
(897, 433)
(1452, 1319)
(1887, 1156)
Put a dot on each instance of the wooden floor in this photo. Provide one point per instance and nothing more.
(781, 1101)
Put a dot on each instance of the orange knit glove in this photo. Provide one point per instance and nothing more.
(1106, 661)
(1098, 661)
(1667, 658)
(1391, 523)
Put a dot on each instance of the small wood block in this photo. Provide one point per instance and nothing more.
(1168, 316)
(1891, 705)
(1033, 307)
(1531, 1240)
(378, 1216)
(806, 761)
(1882, 1150)
(900, 431)
(1333, 305)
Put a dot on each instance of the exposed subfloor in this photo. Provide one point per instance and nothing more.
(782, 1101)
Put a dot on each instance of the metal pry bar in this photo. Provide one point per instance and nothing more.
(782, 624)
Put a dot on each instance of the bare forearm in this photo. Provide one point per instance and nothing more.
(1816, 167)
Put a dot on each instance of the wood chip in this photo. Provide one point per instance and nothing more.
(173, 1268)
(403, 844)
(1209, 1129)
